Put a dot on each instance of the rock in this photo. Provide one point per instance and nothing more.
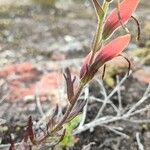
(58, 56)
(20, 69)
(51, 85)
(25, 81)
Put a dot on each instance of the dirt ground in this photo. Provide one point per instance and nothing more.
(52, 38)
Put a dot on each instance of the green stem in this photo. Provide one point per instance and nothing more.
(98, 38)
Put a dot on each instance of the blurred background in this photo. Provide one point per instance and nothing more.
(47, 26)
(39, 28)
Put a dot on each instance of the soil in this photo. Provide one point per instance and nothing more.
(52, 38)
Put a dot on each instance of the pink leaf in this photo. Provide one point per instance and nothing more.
(85, 65)
(106, 53)
(113, 49)
(126, 8)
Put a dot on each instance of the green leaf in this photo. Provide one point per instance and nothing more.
(69, 140)
(99, 9)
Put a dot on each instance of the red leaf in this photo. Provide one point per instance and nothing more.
(85, 65)
(126, 8)
(29, 132)
(113, 49)
(106, 53)
(12, 146)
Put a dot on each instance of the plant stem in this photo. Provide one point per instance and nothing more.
(97, 42)
(73, 102)
(59, 125)
(99, 33)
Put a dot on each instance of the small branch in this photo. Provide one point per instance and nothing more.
(139, 121)
(38, 104)
(139, 111)
(107, 98)
(141, 101)
(118, 85)
(5, 146)
(119, 99)
(97, 122)
(86, 91)
(107, 119)
(117, 132)
(45, 118)
(88, 147)
(140, 145)
(92, 98)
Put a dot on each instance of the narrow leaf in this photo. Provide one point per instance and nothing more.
(69, 83)
(12, 146)
(85, 65)
(113, 49)
(98, 8)
(113, 22)
(76, 110)
(29, 134)
(52, 121)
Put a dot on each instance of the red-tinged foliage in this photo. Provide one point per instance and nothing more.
(50, 82)
(85, 65)
(113, 49)
(106, 53)
(126, 9)
(29, 134)
(12, 146)
(70, 84)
